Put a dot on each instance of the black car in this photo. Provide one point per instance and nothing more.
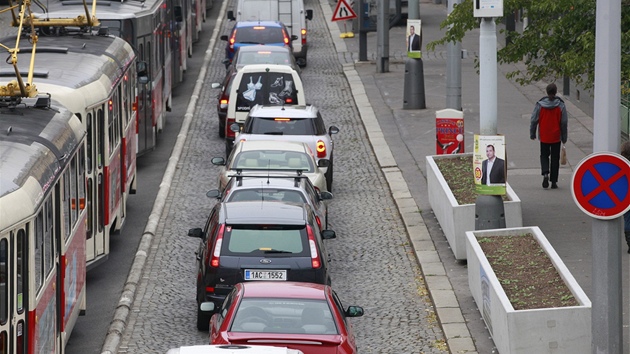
(245, 241)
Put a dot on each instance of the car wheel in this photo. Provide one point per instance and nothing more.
(329, 175)
(221, 129)
(203, 320)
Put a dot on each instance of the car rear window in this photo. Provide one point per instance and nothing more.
(279, 315)
(273, 160)
(265, 240)
(267, 195)
(259, 34)
(263, 57)
(281, 126)
(266, 88)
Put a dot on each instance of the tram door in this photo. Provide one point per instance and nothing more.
(146, 131)
(95, 189)
(13, 256)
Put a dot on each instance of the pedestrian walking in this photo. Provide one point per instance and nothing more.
(625, 152)
(550, 119)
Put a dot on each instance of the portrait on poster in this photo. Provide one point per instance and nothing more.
(489, 164)
(414, 39)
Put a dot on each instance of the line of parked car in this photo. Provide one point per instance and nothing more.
(262, 264)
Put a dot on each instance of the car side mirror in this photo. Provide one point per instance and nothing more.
(230, 15)
(215, 85)
(354, 311)
(224, 37)
(328, 234)
(333, 130)
(309, 14)
(235, 127)
(196, 233)
(218, 161)
(214, 193)
(323, 163)
(207, 306)
(294, 37)
(325, 195)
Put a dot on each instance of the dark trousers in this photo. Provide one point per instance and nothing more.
(550, 160)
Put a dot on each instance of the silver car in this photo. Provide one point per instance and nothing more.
(301, 123)
(255, 157)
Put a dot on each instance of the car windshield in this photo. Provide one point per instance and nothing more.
(279, 315)
(265, 240)
(262, 57)
(266, 194)
(259, 34)
(282, 126)
(273, 160)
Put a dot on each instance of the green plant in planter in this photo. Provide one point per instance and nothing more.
(457, 172)
(525, 272)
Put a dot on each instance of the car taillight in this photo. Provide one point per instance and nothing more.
(228, 132)
(224, 103)
(303, 36)
(321, 149)
(287, 40)
(216, 251)
(319, 222)
(232, 41)
(288, 100)
(315, 261)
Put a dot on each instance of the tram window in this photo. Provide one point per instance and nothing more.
(81, 179)
(21, 269)
(90, 212)
(4, 288)
(39, 249)
(49, 237)
(100, 137)
(90, 147)
(4, 349)
(74, 194)
(67, 203)
(111, 129)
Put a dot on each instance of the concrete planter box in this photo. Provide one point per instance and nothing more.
(557, 330)
(456, 219)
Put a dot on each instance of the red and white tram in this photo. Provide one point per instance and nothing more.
(161, 32)
(42, 225)
(94, 76)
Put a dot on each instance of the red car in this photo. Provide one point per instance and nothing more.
(303, 316)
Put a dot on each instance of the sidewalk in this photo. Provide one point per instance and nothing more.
(402, 138)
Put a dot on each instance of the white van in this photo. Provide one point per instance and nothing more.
(264, 84)
(289, 12)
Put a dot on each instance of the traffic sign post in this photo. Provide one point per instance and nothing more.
(344, 11)
(601, 185)
(601, 188)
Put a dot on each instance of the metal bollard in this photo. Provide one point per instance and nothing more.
(413, 97)
(489, 212)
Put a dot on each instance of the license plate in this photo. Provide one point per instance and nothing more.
(251, 274)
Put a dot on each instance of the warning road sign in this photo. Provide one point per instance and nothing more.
(601, 185)
(343, 11)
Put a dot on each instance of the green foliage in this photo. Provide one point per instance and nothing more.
(559, 39)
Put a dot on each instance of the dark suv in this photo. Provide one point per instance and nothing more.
(244, 241)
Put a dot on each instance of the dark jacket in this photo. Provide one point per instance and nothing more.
(550, 118)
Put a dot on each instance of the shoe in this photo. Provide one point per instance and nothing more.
(545, 183)
(554, 185)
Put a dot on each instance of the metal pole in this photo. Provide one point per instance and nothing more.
(606, 314)
(382, 37)
(488, 77)
(362, 31)
(413, 9)
(453, 70)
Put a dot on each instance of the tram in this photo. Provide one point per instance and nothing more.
(43, 203)
(162, 33)
(94, 75)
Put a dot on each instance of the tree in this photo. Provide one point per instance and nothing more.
(559, 39)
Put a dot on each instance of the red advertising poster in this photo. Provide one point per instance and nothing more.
(449, 137)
